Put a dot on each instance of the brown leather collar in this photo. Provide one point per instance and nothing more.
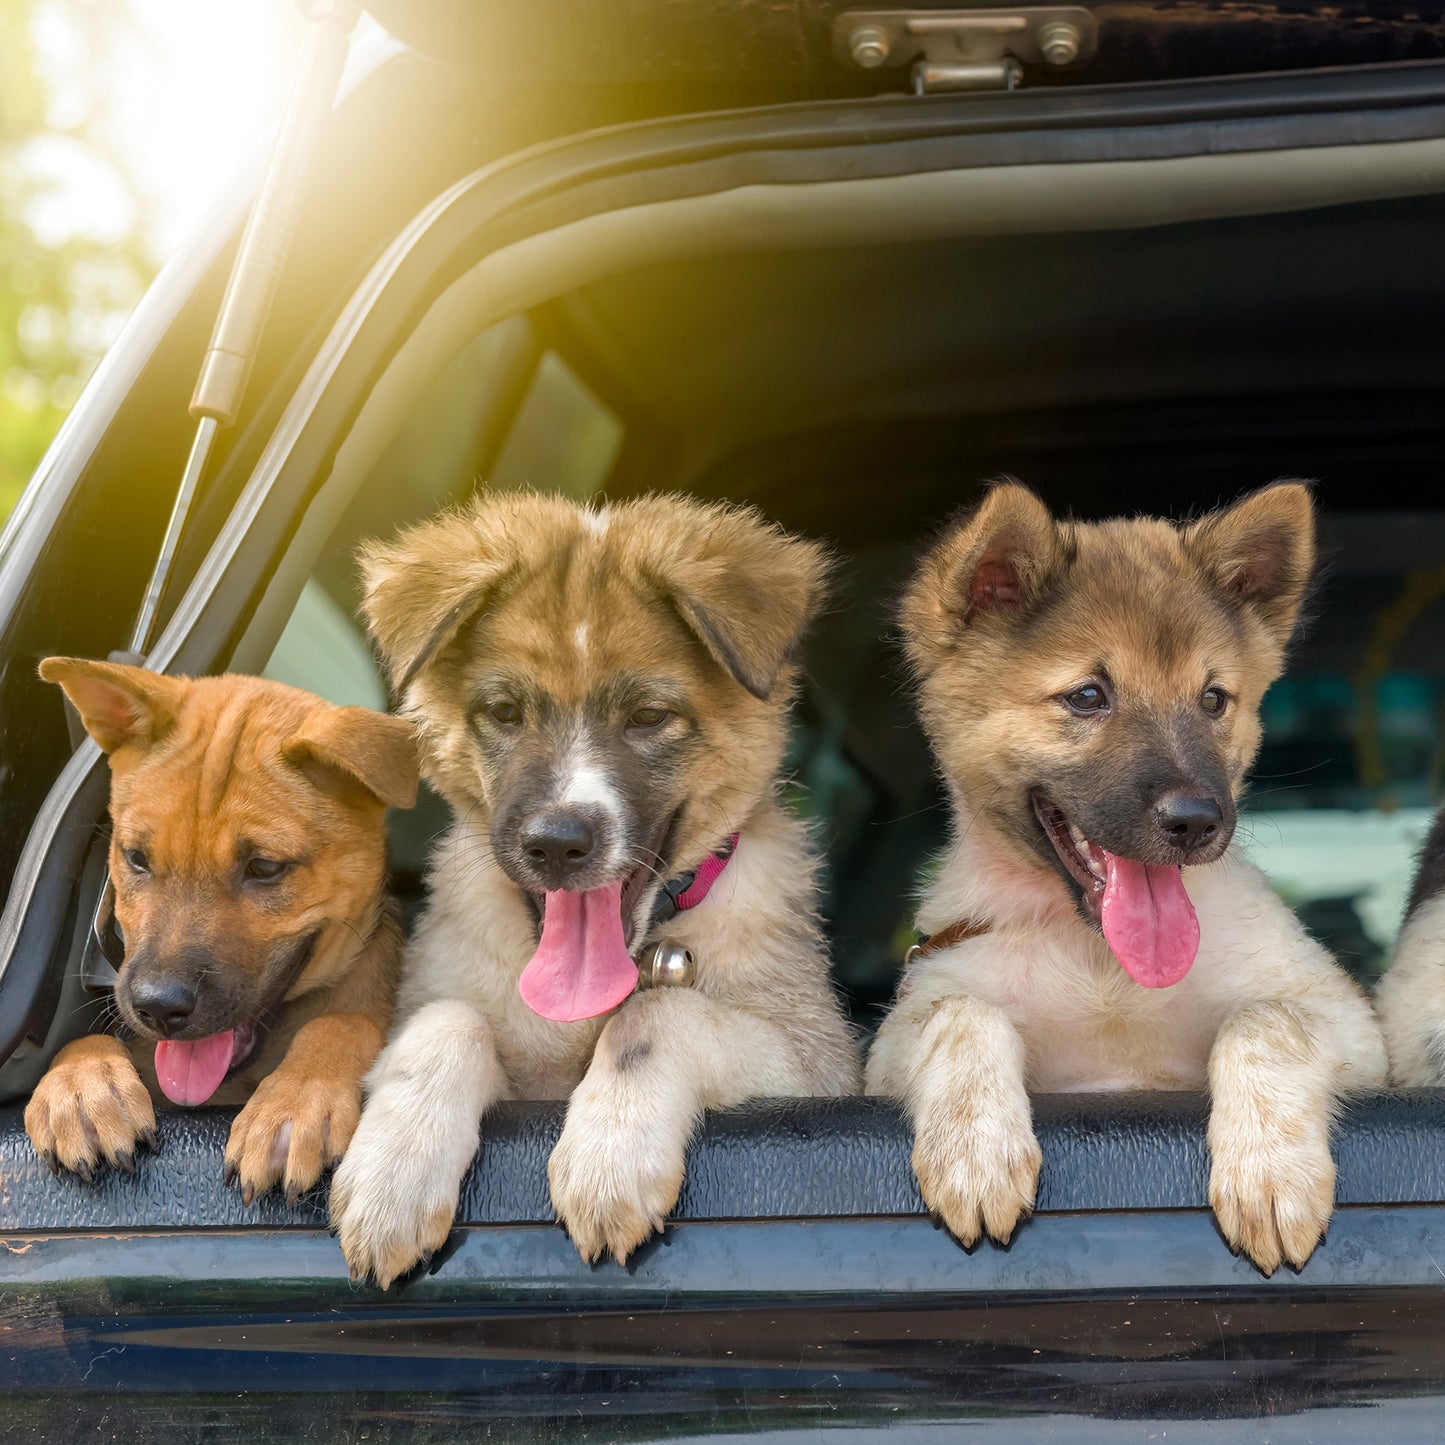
(959, 932)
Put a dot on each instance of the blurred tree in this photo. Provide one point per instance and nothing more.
(64, 284)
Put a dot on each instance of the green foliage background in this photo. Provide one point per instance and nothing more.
(58, 299)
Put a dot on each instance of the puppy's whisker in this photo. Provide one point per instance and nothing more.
(353, 930)
(479, 864)
(1298, 772)
(726, 820)
(104, 1019)
(977, 813)
(643, 863)
(937, 807)
(1252, 797)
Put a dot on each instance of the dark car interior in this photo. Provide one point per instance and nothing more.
(863, 394)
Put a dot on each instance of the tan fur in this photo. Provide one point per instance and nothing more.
(1143, 591)
(709, 603)
(1010, 611)
(198, 767)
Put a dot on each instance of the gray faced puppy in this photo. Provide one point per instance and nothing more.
(602, 696)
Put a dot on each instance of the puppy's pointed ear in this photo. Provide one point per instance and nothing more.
(745, 588)
(374, 749)
(422, 587)
(119, 705)
(996, 560)
(1260, 552)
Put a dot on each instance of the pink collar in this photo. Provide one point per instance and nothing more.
(687, 890)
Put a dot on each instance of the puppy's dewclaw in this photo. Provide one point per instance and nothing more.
(602, 697)
(301, 1118)
(1092, 692)
(247, 860)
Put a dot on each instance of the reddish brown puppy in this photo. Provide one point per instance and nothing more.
(261, 951)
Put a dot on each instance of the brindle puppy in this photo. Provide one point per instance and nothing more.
(602, 697)
(247, 854)
(1092, 693)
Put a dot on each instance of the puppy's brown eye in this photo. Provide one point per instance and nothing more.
(649, 717)
(505, 714)
(1214, 700)
(266, 870)
(136, 861)
(1087, 701)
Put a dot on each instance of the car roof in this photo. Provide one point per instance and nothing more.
(807, 44)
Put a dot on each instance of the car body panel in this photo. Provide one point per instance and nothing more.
(801, 1288)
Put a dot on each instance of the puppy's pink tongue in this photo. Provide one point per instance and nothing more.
(190, 1072)
(1148, 921)
(581, 967)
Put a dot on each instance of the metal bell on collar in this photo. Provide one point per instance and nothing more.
(667, 965)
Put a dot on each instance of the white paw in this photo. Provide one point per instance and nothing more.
(395, 1195)
(978, 1168)
(1272, 1198)
(613, 1183)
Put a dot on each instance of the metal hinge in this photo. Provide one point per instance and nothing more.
(966, 49)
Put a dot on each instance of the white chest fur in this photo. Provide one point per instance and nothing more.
(1084, 1022)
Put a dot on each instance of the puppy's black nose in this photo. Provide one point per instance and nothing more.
(557, 843)
(1188, 821)
(163, 1005)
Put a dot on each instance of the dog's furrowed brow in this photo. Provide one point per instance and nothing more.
(629, 689)
(281, 849)
(1076, 676)
(617, 694)
(494, 686)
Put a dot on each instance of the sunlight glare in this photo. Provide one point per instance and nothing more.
(192, 93)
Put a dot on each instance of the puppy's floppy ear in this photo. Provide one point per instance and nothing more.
(998, 559)
(422, 587)
(745, 588)
(1260, 552)
(374, 749)
(119, 705)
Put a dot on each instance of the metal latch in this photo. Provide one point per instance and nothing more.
(966, 49)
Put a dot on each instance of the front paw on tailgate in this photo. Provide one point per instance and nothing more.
(389, 1209)
(611, 1194)
(90, 1109)
(977, 1177)
(292, 1129)
(1272, 1201)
